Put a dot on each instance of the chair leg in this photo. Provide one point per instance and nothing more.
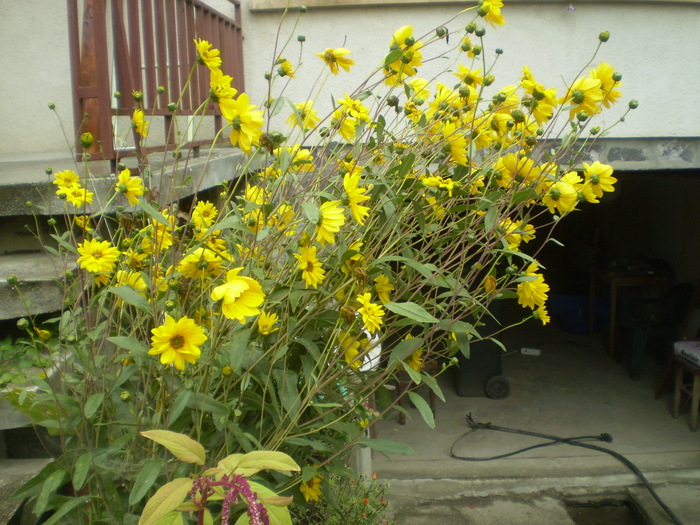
(696, 402)
(677, 391)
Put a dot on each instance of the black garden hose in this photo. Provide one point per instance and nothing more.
(573, 441)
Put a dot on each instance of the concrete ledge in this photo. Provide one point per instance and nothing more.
(23, 178)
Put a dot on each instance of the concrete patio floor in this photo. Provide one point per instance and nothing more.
(572, 388)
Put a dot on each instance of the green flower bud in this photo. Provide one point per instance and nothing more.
(12, 279)
(160, 89)
(117, 94)
(48, 171)
(302, 9)
(170, 306)
(137, 94)
(480, 31)
(499, 98)
(633, 104)
(177, 154)
(301, 38)
(267, 75)
(86, 139)
(617, 76)
(518, 116)
(281, 72)
(582, 116)
(476, 50)
(51, 222)
(30, 204)
(52, 106)
(604, 36)
(465, 46)
(227, 371)
(499, 51)
(530, 140)
(392, 101)
(470, 27)
(594, 130)
(410, 41)
(441, 32)
(464, 92)
(172, 106)
(125, 396)
(23, 323)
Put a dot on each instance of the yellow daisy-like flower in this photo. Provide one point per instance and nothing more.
(204, 214)
(97, 256)
(351, 346)
(584, 95)
(220, 86)
(304, 117)
(489, 283)
(134, 259)
(139, 123)
(131, 187)
(345, 125)
(371, 313)
(532, 291)
(410, 58)
(436, 181)
(266, 323)
(246, 121)
(541, 314)
(606, 73)
(490, 10)
(354, 108)
(202, 263)
(383, 287)
(285, 69)
(240, 296)
(457, 142)
(131, 279)
(468, 76)
(83, 221)
(415, 360)
(356, 195)
(311, 490)
(335, 58)
(563, 194)
(77, 195)
(331, 219)
(600, 177)
(311, 269)
(206, 56)
(66, 179)
(177, 342)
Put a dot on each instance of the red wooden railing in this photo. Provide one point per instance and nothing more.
(140, 45)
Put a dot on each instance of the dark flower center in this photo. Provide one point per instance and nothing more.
(177, 342)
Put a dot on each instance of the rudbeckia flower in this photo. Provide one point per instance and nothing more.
(177, 342)
(97, 256)
(371, 313)
(240, 296)
(311, 269)
(335, 58)
(246, 121)
(331, 219)
(207, 56)
(131, 187)
(139, 123)
(532, 291)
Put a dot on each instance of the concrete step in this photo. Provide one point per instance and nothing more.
(682, 499)
(13, 474)
(38, 291)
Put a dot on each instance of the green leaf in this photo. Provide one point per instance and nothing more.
(412, 311)
(129, 343)
(312, 212)
(165, 500)
(144, 481)
(274, 504)
(392, 57)
(405, 348)
(171, 518)
(423, 407)
(181, 401)
(426, 270)
(183, 447)
(433, 385)
(237, 349)
(155, 214)
(267, 460)
(93, 404)
(386, 446)
(132, 297)
(81, 469)
(48, 489)
(65, 509)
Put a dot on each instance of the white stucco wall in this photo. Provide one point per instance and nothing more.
(653, 45)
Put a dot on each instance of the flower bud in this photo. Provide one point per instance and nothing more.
(617, 76)
(476, 50)
(117, 94)
(86, 139)
(51, 222)
(470, 27)
(464, 92)
(393, 101)
(23, 323)
(267, 75)
(177, 154)
(604, 36)
(170, 306)
(227, 371)
(12, 279)
(121, 166)
(137, 95)
(29, 204)
(410, 41)
(302, 9)
(172, 106)
(499, 51)
(582, 116)
(160, 89)
(441, 32)
(518, 116)
(499, 98)
(301, 38)
(52, 106)
(125, 396)
(465, 46)
(480, 31)
(48, 171)
(633, 104)
(530, 140)
(595, 130)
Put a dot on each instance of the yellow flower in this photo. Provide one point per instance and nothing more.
(563, 194)
(600, 177)
(246, 121)
(490, 10)
(131, 279)
(468, 76)
(285, 68)
(356, 195)
(351, 346)
(457, 143)
(266, 323)
(204, 214)
(139, 123)
(206, 56)
(240, 296)
(383, 287)
(532, 291)
(311, 268)
(220, 86)
(336, 57)
(415, 361)
(177, 342)
(354, 108)
(66, 179)
(584, 95)
(131, 187)
(541, 314)
(83, 221)
(44, 335)
(134, 259)
(345, 125)
(77, 196)
(371, 313)
(605, 72)
(202, 263)
(311, 490)
(410, 58)
(97, 256)
(331, 219)
(436, 181)
(489, 284)
(305, 116)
